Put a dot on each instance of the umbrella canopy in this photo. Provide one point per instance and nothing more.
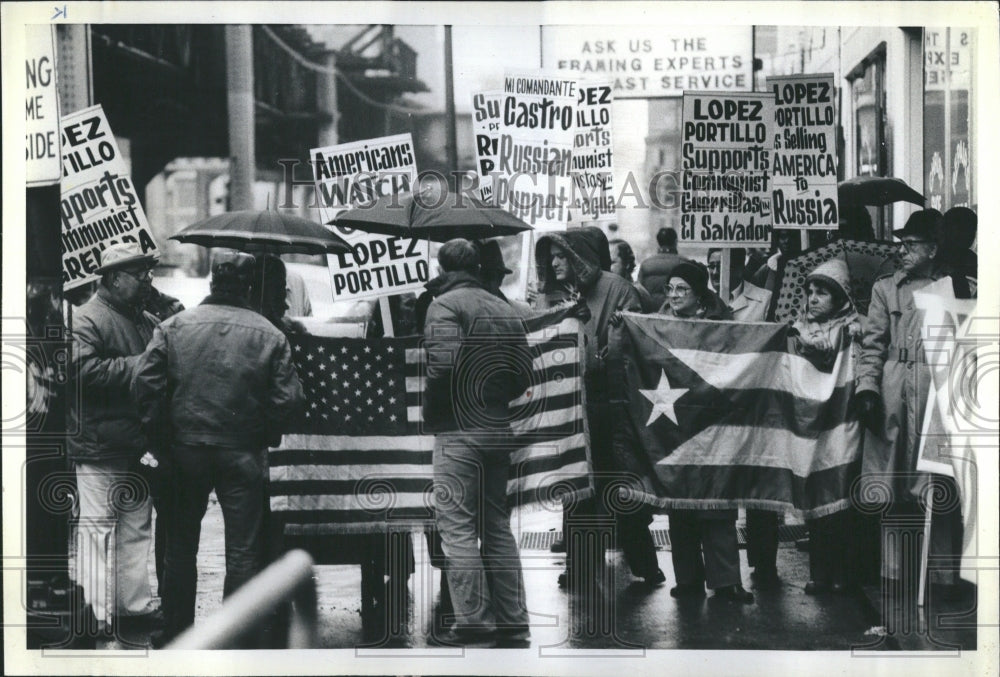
(866, 262)
(436, 218)
(263, 231)
(876, 191)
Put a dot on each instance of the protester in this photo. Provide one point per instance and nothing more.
(855, 223)
(748, 302)
(468, 409)
(219, 382)
(955, 254)
(654, 272)
(268, 293)
(568, 265)
(623, 265)
(830, 319)
(893, 385)
(704, 545)
(110, 332)
(785, 245)
(296, 295)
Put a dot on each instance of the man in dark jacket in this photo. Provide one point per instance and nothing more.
(220, 378)
(477, 362)
(110, 331)
(569, 266)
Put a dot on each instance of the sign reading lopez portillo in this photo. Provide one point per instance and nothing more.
(99, 205)
(726, 157)
(355, 175)
(805, 152)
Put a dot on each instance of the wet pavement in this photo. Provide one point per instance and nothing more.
(635, 616)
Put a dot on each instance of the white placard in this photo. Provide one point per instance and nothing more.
(356, 174)
(99, 204)
(654, 61)
(43, 166)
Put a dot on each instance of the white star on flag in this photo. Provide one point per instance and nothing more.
(663, 399)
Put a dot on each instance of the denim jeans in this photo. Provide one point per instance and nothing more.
(470, 490)
(238, 477)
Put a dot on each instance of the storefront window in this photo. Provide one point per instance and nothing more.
(871, 152)
(948, 180)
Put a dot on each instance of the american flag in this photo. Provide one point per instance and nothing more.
(357, 461)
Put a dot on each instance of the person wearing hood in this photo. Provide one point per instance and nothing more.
(705, 549)
(476, 350)
(829, 319)
(572, 265)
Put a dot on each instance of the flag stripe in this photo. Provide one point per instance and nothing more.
(774, 447)
(357, 489)
(771, 371)
(345, 472)
(347, 457)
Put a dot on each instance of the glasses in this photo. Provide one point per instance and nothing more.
(139, 276)
(679, 290)
(908, 244)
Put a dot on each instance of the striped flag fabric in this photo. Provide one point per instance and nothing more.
(727, 417)
(357, 461)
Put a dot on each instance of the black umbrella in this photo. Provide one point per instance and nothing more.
(876, 191)
(438, 218)
(263, 231)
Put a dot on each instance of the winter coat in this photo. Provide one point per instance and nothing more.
(820, 342)
(654, 273)
(108, 340)
(604, 293)
(477, 359)
(892, 364)
(751, 304)
(219, 375)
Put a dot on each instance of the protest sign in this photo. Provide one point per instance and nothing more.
(41, 107)
(99, 205)
(486, 123)
(804, 174)
(653, 61)
(593, 178)
(726, 158)
(355, 175)
(535, 148)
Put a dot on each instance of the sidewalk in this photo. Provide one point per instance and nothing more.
(781, 619)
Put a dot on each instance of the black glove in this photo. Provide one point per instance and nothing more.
(617, 319)
(868, 406)
(580, 311)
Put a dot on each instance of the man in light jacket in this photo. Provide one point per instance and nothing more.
(218, 379)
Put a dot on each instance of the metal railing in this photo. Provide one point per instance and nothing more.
(290, 579)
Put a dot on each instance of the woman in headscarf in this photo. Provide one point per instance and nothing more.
(705, 549)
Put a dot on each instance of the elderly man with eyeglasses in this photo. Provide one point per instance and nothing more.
(110, 333)
(892, 390)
